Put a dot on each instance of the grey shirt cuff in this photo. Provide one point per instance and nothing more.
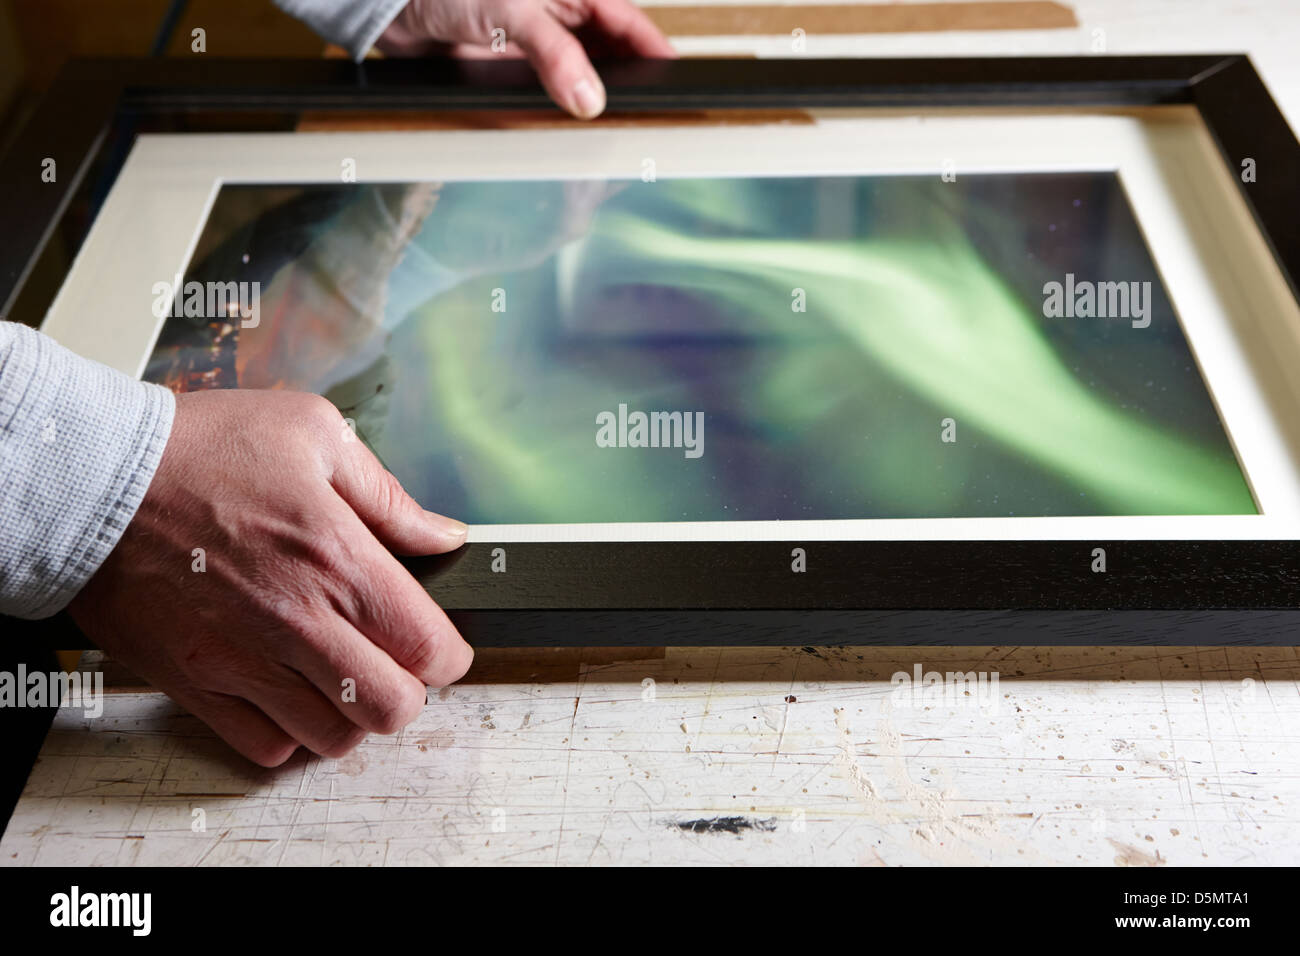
(79, 445)
(354, 25)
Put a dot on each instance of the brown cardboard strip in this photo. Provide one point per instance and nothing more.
(492, 665)
(770, 19)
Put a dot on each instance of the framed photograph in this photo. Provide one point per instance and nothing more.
(780, 352)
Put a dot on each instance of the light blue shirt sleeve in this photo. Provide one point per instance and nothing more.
(354, 25)
(79, 445)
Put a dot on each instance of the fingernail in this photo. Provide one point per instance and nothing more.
(448, 526)
(589, 98)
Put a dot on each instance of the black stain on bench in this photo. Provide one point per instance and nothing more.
(725, 825)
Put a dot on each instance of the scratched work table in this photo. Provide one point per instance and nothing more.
(1128, 756)
(1136, 757)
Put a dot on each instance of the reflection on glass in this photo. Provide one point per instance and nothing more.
(853, 347)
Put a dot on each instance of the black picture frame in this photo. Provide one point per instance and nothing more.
(740, 593)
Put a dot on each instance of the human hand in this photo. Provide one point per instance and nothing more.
(545, 31)
(299, 596)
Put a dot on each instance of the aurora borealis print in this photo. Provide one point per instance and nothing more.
(829, 332)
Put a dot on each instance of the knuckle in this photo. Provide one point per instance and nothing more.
(400, 707)
(292, 616)
(318, 408)
(214, 663)
(343, 739)
(423, 656)
(268, 753)
(318, 419)
(326, 551)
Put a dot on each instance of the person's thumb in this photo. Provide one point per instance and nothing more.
(561, 63)
(393, 516)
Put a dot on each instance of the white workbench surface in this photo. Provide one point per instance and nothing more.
(1126, 756)
(1091, 755)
